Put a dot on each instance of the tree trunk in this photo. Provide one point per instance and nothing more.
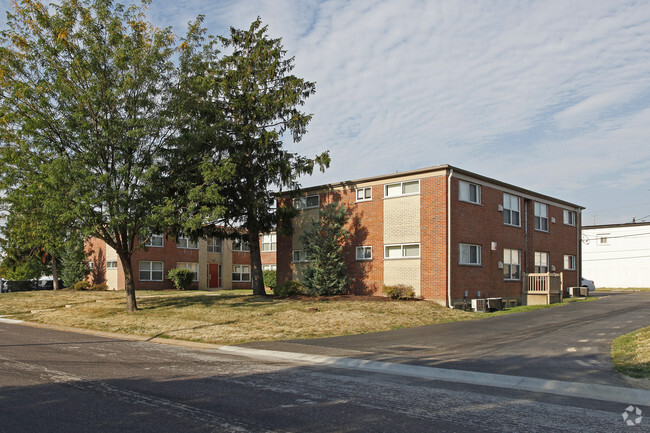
(55, 275)
(129, 285)
(256, 264)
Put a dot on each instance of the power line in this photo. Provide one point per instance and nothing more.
(614, 258)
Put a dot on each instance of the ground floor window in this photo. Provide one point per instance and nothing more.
(569, 262)
(364, 253)
(470, 254)
(511, 264)
(151, 271)
(194, 267)
(269, 267)
(541, 262)
(241, 273)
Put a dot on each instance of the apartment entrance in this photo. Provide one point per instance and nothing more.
(214, 276)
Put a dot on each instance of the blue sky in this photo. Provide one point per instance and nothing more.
(553, 96)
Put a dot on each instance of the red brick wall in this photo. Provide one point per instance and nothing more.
(169, 254)
(433, 238)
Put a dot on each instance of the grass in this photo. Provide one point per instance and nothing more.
(229, 317)
(623, 289)
(631, 353)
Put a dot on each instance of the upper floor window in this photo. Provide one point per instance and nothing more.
(364, 194)
(111, 264)
(469, 192)
(541, 217)
(402, 251)
(364, 253)
(299, 256)
(511, 210)
(269, 242)
(309, 202)
(541, 262)
(184, 242)
(569, 262)
(402, 188)
(569, 218)
(155, 241)
(511, 264)
(240, 245)
(470, 254)
(214, 245)
(271, 267)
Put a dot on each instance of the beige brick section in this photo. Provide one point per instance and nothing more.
(302, 223)
(402, 220)
(111, 274)
(403, 271)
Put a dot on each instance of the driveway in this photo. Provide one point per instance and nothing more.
(570, 343)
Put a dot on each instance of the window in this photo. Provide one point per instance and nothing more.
(299, 256)
(240, 245)
(184, 242)
(364, 194)
(309, 202)
(403, 251)
(470, 254)
(469, 192)
(269, 242)
(269, 267)
(569, 218)
(541, 262)
(194, 267)
(511, 210)
(154, 241)
(241, 273)
(111, 264)
(402, 188)
(569, 262)
(541, 217)
(603, 239)
(214, 245)
(151, 271)
(364, 253)
(511, 264)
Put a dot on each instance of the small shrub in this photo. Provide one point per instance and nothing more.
(399, 291)
(181, 277)
(81, 285)
(288, 288)
(99, 287)
(270, 279)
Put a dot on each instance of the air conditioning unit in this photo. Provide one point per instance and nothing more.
(479, 305)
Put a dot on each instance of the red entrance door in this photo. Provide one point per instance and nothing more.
(214, 277)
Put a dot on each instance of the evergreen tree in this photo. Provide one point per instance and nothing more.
(326, 273)
(74, 262)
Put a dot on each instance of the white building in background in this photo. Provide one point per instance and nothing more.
(617, 255)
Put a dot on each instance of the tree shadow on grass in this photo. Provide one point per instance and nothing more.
(203, 300)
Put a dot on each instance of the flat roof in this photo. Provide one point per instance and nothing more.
(610, 226)
(426, 170)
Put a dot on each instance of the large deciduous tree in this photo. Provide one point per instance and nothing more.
(251, 105)
(84, 90)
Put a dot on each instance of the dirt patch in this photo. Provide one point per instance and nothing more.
(358, 298)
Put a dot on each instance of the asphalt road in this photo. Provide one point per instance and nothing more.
(54, 381)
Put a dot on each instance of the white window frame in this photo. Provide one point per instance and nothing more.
(186, 243)
(508, 265)
(569, 262)
(366, 193)
(541, 217)
(299, 256)
(192, 266)
(542, 260)
(402, 249)
(465, 192)
(111, 264)
(270, 267)
(159, 239)
(569, 218)
(238, 273)
(269, 242)
(301, 203)
(214, 245)
(465, 250)
(150, 270)
(402, 187)
(361, 253)
(241, 246)
(508, 200)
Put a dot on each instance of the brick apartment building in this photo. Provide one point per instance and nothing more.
(217, 263)
(451, 234)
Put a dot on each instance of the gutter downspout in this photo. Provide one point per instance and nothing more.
(451, 173)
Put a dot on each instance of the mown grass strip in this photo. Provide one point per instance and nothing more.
(631, 353)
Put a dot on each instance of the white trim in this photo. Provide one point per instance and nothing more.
(364, 189)
(300, 203)
(401, 184)
(402, 256)
(478, 254)
(363, 248)
(464, 183)
(150, 270)
(243, 268)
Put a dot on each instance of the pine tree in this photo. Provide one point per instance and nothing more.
(326, 273)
